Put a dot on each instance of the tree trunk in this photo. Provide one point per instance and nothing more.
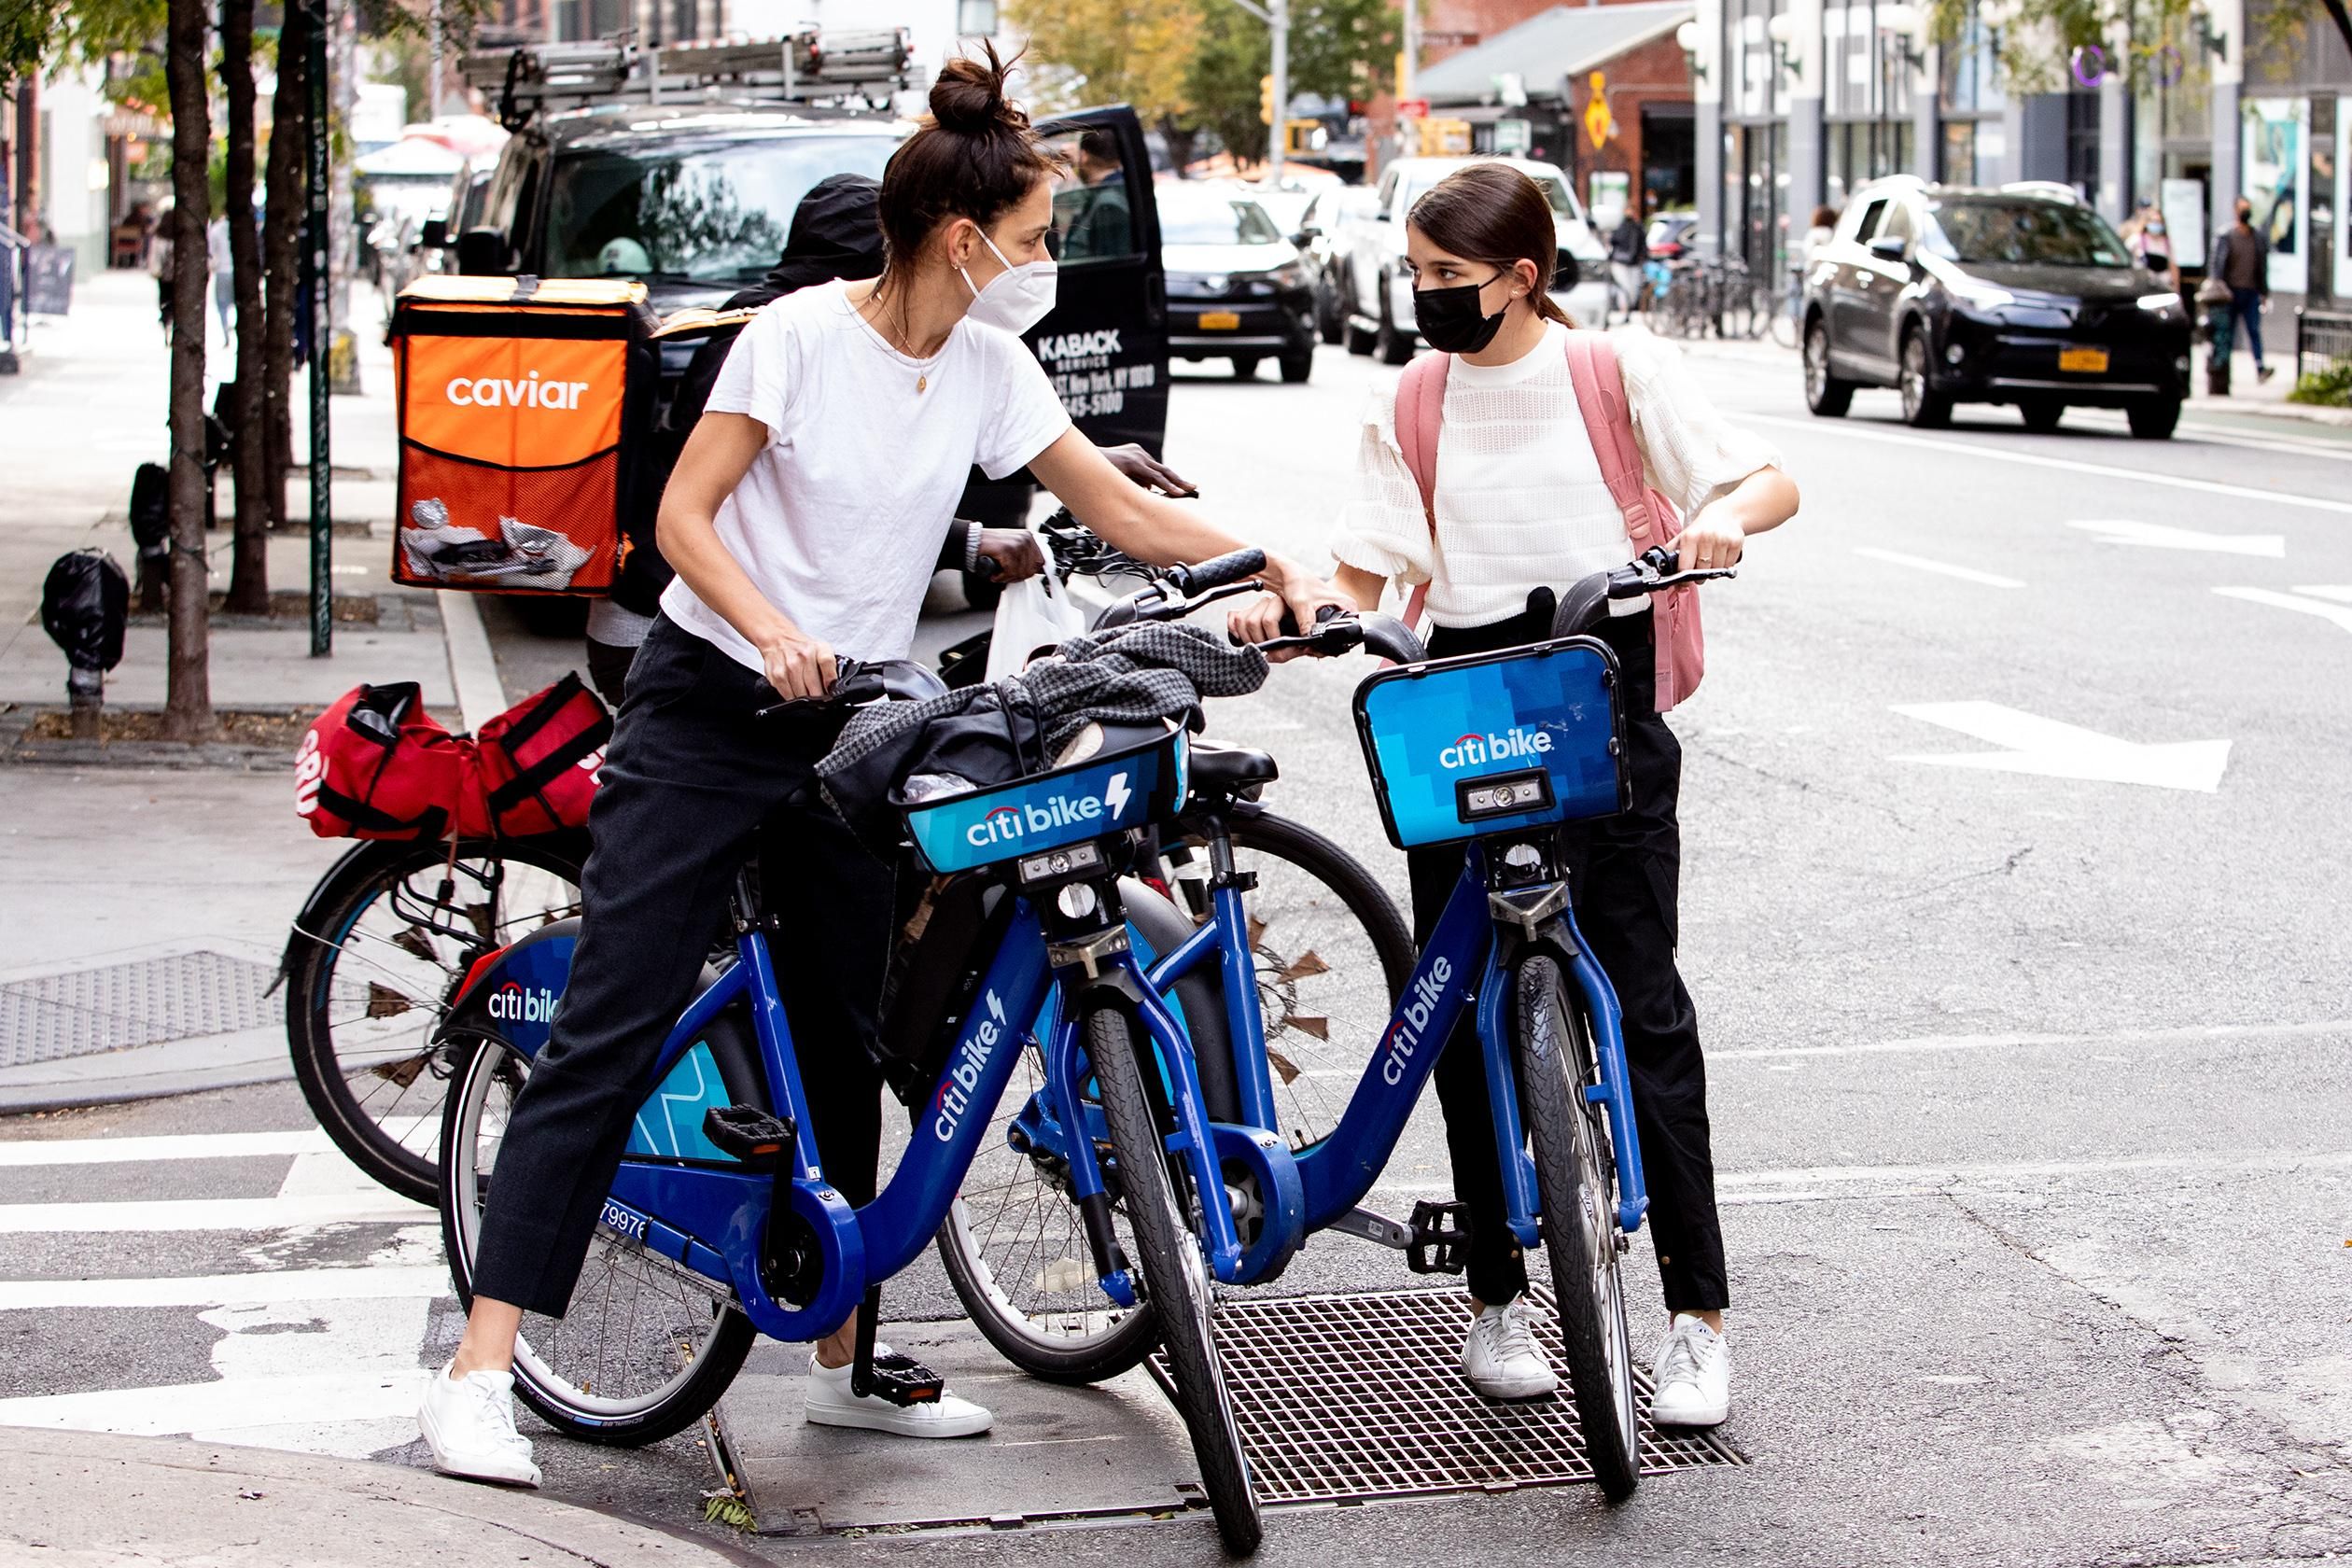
(1180, 145)
(188, 713)
(249, 574)
(284, 209)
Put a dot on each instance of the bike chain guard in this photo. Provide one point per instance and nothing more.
(1440, 1245)
(810, 1248)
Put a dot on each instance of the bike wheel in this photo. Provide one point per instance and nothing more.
(1575, 1178)
(1159, 1197)
(647, 1345)
(369, 971)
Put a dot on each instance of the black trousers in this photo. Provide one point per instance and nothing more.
(1624, 872)
(691, 784)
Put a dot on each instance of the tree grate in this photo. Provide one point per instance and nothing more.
(1343, 1398)
(185, 996)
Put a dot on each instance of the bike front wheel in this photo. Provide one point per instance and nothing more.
(1576, 1179)
(1160, 1196)
(647, 1345)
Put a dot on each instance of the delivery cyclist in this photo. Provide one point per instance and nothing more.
(803, 520)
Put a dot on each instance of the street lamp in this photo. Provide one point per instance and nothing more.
(1687, 39)
(1782, 30)
(1906, 21)
(2213, 43)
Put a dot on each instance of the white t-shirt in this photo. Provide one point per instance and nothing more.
(840, 518)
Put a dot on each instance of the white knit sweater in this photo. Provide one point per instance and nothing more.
(1520, 501)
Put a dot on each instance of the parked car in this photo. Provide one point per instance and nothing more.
(1670, 233)
(1326, 230)
(1238, 289)
(1964, 294)
(1380, 291)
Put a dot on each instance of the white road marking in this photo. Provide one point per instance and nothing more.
(2156, 536)
(209, 1214)
(2339, 613)
(2044, 745)
(2192, 1035)
(1988, 452)
(1966, 574)
(348, 1414)
(179, 1146)
(2341, 593)
(425, 1282)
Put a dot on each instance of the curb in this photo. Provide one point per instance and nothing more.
(102, 1497)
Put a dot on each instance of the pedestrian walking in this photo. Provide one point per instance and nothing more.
(1628, 249)
(2241, 260)
(161, 262)
(2147, 234)
(1519, 510)
(223, 264)
(802, 520)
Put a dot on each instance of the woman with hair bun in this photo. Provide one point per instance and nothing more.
(804, 520)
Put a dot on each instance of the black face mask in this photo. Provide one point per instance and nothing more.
(1451, 320)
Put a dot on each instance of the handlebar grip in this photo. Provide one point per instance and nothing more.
(1391, 639)
(853, 682)
(1217, 572)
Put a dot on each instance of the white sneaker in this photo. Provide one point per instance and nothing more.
(1693, 1372)
(1500, 1357)
(831, 1404)
(468, 1423)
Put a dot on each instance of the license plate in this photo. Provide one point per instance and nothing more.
(2093, 359)
(1220, 321)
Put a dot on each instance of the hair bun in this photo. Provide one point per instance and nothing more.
(970, 97)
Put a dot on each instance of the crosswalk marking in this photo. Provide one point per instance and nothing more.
(181, 1146)
(425, 1280)
(210, 1213)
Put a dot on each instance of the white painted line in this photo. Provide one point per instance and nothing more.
(1833, 1174)
(170, 1147)
(2157, 535)
(2339, 614)
(472, 669)
(1847, 430)
(223, 1289)
(1918, 1044)
(1966, 574)
(2044, 745)
(2341, 593)
(230, 1404)
(208, 1213)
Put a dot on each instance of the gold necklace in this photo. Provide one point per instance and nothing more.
(905, 342)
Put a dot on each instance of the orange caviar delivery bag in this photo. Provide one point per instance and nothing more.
(521, 402)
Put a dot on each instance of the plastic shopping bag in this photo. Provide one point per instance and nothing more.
(1034, 613)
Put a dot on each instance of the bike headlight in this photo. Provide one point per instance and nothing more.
(2167, 304)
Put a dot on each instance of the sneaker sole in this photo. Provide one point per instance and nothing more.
(1715, 1417)
(1512, 1392)
(898, 1425)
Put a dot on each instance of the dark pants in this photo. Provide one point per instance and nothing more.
(1623, 871)
(2247, 302)
(609, 669)
(690, 780)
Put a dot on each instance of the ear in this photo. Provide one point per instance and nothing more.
(961, 239)
(1523, 273)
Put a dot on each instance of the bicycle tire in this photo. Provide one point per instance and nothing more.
(575, 1409)
(1175, 1276)
(343, 990)
(1574, 1179)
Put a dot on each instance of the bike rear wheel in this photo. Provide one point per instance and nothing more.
(369, 971)
(645, 1347)
(1575, 1178)
(1160, 1196)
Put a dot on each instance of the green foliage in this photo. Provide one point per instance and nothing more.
(2329, 388)
(44, 34)
(2038, 45)
(1232, 51)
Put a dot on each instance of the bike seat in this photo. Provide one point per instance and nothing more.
(1231, 770)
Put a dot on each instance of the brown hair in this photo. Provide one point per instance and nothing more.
(975, 155)
(1825, 217)
(1491, 212)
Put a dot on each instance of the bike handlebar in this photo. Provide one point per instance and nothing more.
(1585, 604)
(856, 682)
(1216, 572)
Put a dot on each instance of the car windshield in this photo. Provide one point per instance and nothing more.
(2022, 233)
(1555, 192)
(709, 212)
(1210, 219)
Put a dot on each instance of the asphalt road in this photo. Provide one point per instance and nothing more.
(2027, 1074)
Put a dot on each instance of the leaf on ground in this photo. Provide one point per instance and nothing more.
(1306, 963)
(385, 1002)
(402, 1072)
(414, 941)
(1284, 1068)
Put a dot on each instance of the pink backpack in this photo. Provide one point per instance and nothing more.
(1649, 517)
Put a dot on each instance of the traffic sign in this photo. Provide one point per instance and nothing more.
(1412, 108)
(1598, 122)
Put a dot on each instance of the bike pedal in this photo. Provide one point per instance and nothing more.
(901, 1380)
(749, 1133)
(1440, 1245)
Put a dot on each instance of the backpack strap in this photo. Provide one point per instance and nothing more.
(1421, 402)
(1599, 383)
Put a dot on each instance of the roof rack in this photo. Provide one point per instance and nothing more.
(864, 68)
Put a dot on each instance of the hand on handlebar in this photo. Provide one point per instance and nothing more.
(1009, 554)
(799, 668)
(1711, 541)
(1295, 597)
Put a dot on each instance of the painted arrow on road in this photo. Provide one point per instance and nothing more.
(2339, 612)
(2044, 745)
(2157, 535)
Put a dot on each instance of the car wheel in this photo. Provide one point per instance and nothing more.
(1393, 346)
(2153, 418)
(2042, 414)
(1297, 367)
(1825, 394)
(1924, 407)
(1245, 367)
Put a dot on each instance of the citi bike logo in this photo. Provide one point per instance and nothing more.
(956, 1084)
(1475, 750)
(1010, 824)
(1404, 1035)
(511, 1004)
(530, 392)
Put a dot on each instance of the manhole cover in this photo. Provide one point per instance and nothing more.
(1340, 1397)
(185, 995)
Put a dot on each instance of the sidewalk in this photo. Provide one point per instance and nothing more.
(90, 1500)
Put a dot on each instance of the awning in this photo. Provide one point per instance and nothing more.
(1564, 41)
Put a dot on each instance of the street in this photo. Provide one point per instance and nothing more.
(2014, 899)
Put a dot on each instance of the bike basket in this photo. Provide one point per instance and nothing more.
(1494, 742)
(522, 407)
(1128, 787)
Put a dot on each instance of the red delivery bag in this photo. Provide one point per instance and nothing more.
(377, 765)
(537, 762)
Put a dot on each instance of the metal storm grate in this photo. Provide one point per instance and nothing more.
(185, 995)
(1342, 1397)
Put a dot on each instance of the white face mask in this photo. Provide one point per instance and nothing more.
(1017, 298)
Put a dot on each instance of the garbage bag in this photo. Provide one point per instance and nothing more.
(84, 604)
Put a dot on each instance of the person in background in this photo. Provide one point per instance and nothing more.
(160, 262)
(2150, 240)
(1825, 226)
(223, 265)
(2241, 260)
(1093, 214)
(1629, 248)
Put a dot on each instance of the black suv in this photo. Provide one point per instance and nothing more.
(2019, 295)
